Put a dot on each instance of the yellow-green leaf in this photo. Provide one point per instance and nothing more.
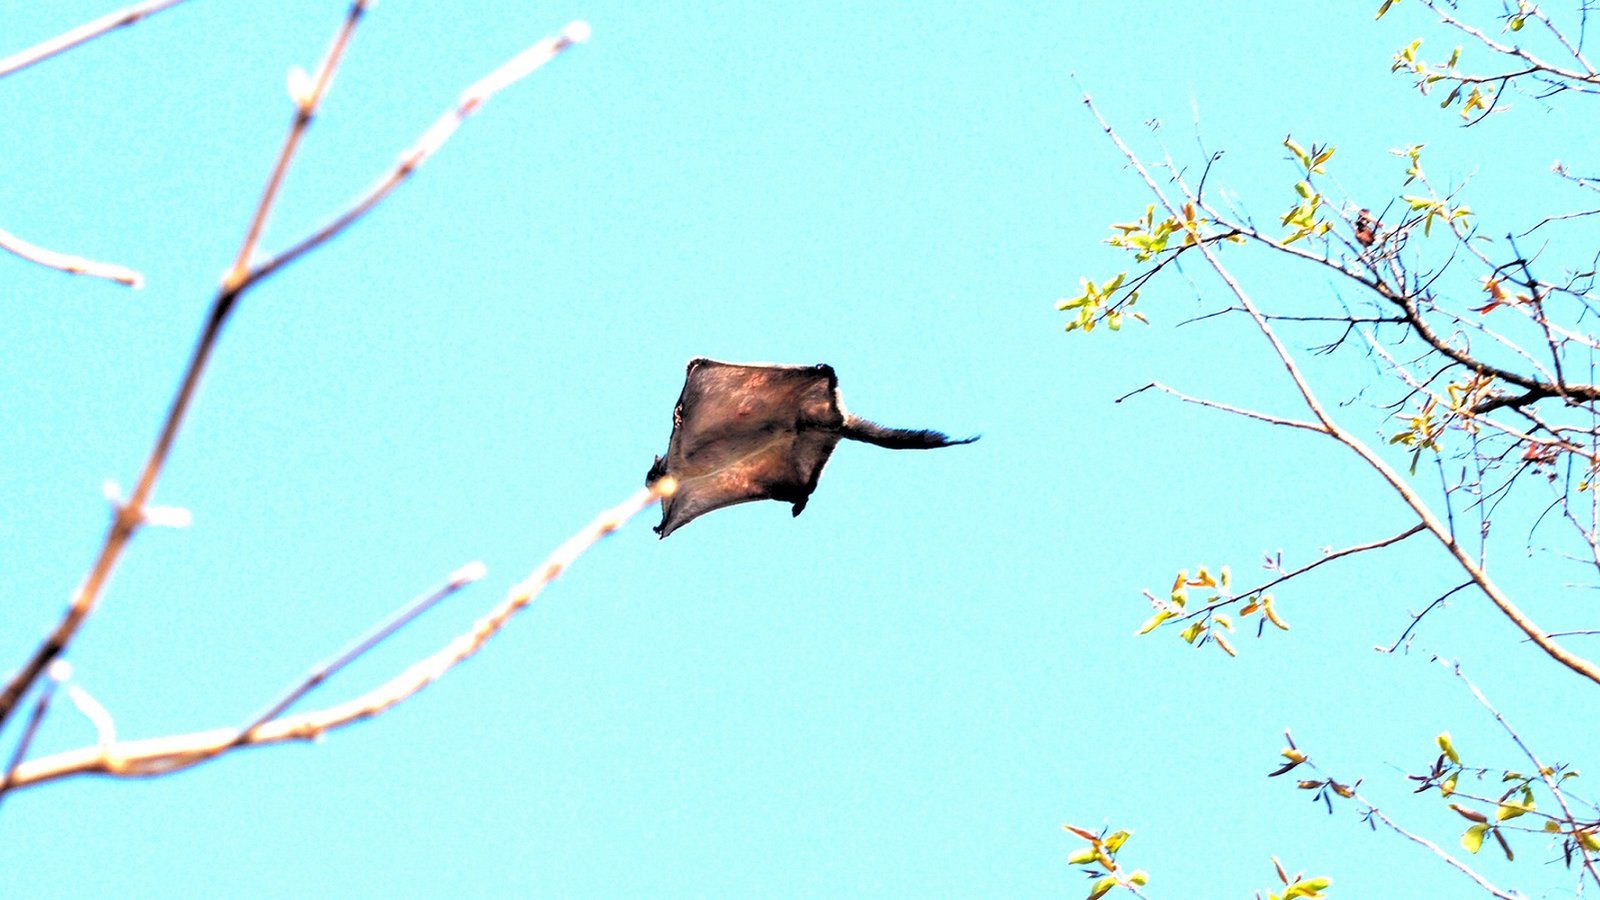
(1473, 839)
(1102, 887)
(1448, 747)
(1155, 621)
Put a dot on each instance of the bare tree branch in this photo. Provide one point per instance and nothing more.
(1236, 410)
(515, 69)
(160, 756)
(82, 34)
(379, 633)
(72, 265)
(132, 514)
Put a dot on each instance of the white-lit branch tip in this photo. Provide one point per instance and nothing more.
(168, 517)
(59, 671)
(66, 262)
(105, 727)
(467, 574)
(577, 32)
(301, 87)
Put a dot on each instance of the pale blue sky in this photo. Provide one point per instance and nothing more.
(903, 692)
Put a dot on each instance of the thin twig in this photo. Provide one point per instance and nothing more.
(1236, 410)
(471, 100)
(379, 633)
(72, 265)
(29, 731)
(1232, 598)
(82, 34)
(1416, 619)
(1438, 851)
(160, 756)
(305, 109)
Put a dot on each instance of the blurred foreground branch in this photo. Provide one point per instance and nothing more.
(72, 265)
(307, 93)
(160, 756)
(82, 34)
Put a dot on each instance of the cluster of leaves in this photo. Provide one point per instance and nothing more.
(1492, 816)
(1326, 788)
(1479, 98)
(1099, 862)
(1207, 623)
(1147, 238)
(1093, 305)
(1438, 413)
(1297, 886)
(1302, 219)
(1515, 21)
(1428, 75)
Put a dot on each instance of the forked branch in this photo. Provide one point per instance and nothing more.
(241, 277)
(160, 756)
(1328, 425)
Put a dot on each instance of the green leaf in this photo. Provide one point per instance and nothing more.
(1139, 878)
(1448, 747)
(1155, 621)
(1298, 151)
(1510, 809)
(1473, 839)
(1310, 888)
(1083, 857)
(1114, 842)
(1102, 887)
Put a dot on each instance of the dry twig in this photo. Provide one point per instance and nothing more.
(82, 34)
(72, 265)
